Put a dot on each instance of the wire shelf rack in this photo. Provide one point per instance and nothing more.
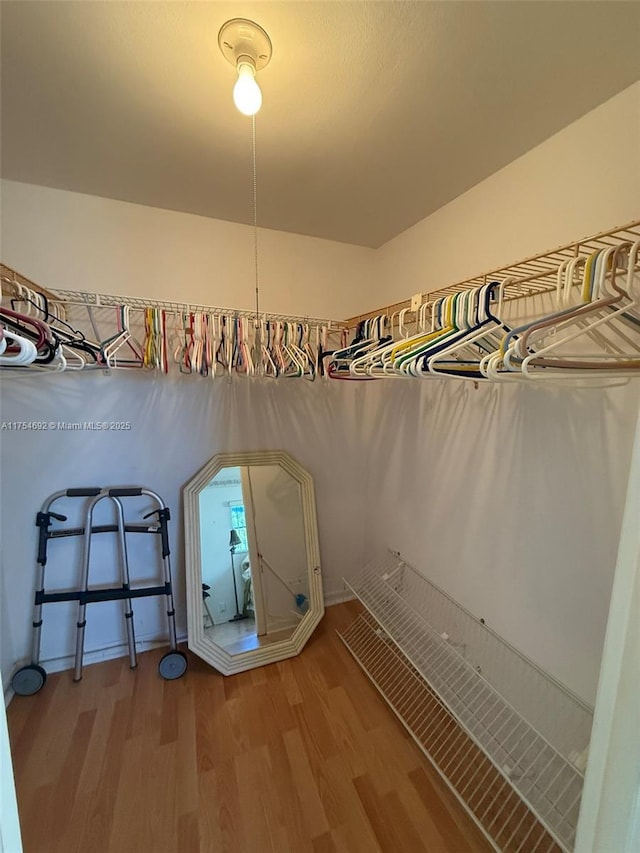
(531, 276)
(495, 725)
(137, 303)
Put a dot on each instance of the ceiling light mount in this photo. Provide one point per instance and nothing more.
(243, 41)
(248, 48)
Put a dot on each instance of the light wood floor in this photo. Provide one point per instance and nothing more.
(298, 756)
(236, 637)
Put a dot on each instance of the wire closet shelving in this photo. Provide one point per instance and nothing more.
(507, 738)
(252, 344)
(527, 278)
(184, 337)
(137, 303)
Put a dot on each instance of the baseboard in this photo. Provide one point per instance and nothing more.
(338, 596)
(118, 650)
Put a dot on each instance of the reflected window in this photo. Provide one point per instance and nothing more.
(239, 524)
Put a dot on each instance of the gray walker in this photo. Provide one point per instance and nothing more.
(29, 679)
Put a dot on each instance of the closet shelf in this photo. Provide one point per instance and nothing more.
(527, 278)
(467, 696)
(78, 329)
(137, 303)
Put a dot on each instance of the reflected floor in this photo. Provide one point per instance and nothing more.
(236, 637)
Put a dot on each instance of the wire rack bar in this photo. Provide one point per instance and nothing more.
(529, 277)
(507, 823)
(532, 731)
(103, 300)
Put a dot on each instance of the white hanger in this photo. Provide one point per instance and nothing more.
(27, 352)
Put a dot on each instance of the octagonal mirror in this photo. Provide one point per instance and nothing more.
(254, 585)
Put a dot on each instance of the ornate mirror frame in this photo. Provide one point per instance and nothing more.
(203, 645)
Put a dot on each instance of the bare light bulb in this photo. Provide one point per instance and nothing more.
(246, 93)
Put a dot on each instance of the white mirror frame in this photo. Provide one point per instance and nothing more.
(198, 641)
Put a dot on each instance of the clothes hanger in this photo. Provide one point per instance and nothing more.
(26, 326)
(351, 368)
(19, 351)
(611, 302)
(512, 354)
(155, 345)
(464, 314)
(405, 357)
(294, 347)
(294, 364)
(307, 349)
(71, 359)
(462, 357)
(209, 343)
(268, 366)
(515, 348)
(45, 341)
(367, 363)
(59, 329)
(244, 360)
(224, 353)
(363, 342)
(551, 324)
(393, 358)
(123, 338)
(304, 356)
(499, 365)
(215, 341)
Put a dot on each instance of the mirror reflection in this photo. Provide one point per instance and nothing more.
(255, 579)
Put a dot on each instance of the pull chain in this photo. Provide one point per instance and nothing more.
(255, 213)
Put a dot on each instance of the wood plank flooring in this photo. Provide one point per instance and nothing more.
(496, 805)
(301, 756)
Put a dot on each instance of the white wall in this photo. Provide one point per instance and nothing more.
(276, 503)
(78, 242)
(610, 814)
(215, 525)
(583, 180)
(511, 499)
(177, 424)
(413, 456)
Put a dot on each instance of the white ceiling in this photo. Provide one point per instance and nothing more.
(375, 114)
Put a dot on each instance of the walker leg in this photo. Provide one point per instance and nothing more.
(80, 626)
(43, 520)
(174, 664)
(163, 518)
(29, 679)
(124, 568)
(84, 587)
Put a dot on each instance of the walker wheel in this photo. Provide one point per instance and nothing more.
(29, 680)
(173, 665)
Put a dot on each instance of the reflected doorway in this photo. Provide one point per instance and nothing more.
(254, 565)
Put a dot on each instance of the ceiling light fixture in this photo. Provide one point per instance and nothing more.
(248, 48)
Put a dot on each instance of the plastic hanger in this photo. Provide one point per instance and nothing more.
(18, 351)
(462, 357)
(123, 339)
(612, 300)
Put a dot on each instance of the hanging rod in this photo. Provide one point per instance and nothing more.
(532, 276)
